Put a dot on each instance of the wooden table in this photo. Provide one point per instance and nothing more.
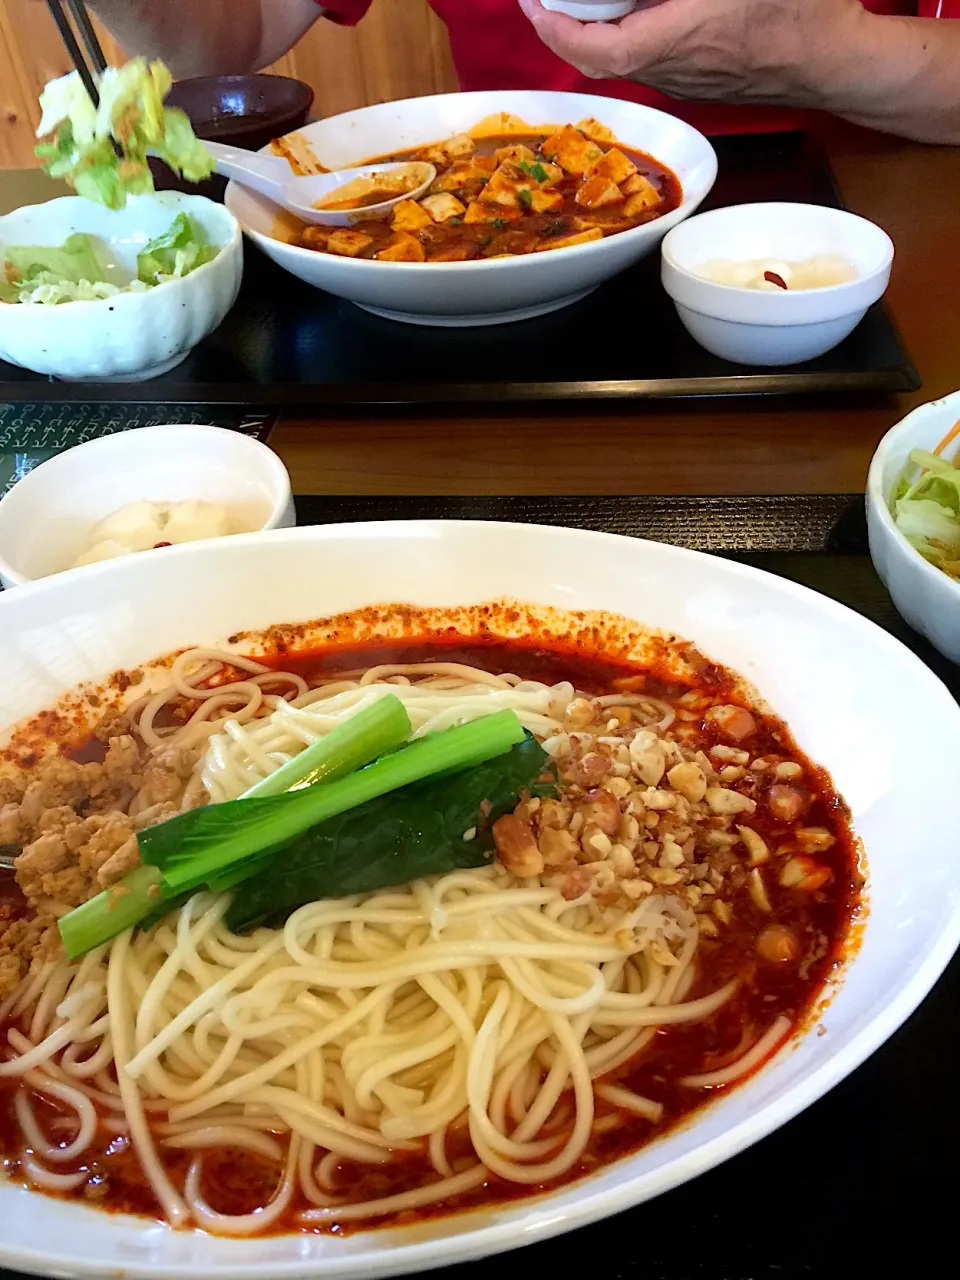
(910, 190)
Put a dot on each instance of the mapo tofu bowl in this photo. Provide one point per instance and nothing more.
(539, 198)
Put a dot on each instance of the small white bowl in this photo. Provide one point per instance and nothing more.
(133, 336)
(752, 326)
(46, 516)
(923, 594)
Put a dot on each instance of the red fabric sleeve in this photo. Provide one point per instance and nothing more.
(346, 12)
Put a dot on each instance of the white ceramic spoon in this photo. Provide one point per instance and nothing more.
(272, 177)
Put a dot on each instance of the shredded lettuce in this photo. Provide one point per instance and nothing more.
(79, 270)
(102, 152)
(180, 250)
(925, 506)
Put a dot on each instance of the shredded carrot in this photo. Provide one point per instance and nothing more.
(951, 435)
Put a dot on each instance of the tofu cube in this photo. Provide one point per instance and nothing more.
(613, 165)
(566, 242)
(347, 243)
(402, 248)
(480, 212)
(458, 147)
(515, 153)
(442, 208)
(315, 237)
(408, 216)
(458, 175)
(505, 186)
(544, 200)
(643, 198)
(592, 128)
(454, 253)
(597, 192)
(572, 151)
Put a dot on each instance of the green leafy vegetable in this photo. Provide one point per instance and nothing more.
(426, 829)
(81, 258)
(182, 150)
(198, 846)
(143, 894)
(79, 270)
(78, 140)
(535, 170)
(180, 250)
(524, 197)
(222, 844)
(925, 505)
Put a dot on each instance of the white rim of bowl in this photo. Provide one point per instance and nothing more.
(878, 499)
(844, 214)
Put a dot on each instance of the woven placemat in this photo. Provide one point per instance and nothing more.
(31, 433)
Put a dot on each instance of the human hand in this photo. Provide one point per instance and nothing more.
(788, 52)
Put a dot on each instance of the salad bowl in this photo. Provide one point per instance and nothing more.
(925, 595)
(139, 331)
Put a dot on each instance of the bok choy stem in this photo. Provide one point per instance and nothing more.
(348, 746)
(197, 846)
(365, 736)
(112, 912)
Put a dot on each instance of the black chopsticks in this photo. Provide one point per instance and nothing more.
(98, 62)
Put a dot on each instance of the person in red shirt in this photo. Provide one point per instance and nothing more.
(721, 64)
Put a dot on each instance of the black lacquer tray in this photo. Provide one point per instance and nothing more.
(286, 345)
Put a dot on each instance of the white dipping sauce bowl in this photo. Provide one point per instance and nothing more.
(132, 336)
(924, 595)
(47, 516)
(756, 327)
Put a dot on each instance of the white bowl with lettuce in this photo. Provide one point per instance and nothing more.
(913, 517)
(117, 283)
(95, 294)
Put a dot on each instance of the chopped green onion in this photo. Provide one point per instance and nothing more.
(535, 170)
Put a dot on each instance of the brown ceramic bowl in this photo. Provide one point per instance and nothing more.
(243, 111)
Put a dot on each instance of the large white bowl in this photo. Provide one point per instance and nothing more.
(133, 336)
(486, 292)
(924, 595)
(827, 670)
(753, 326)
(46, 517)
